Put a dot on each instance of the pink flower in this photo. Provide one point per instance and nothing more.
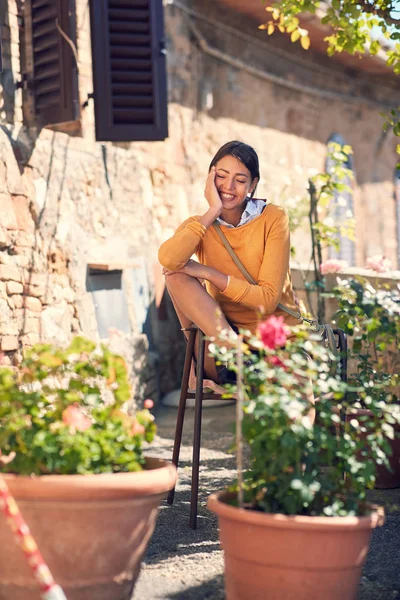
(274, 360)
(380, 264)
(148, 403)
(273, 332)
(333, 266)
(74, 417)
(137, 428)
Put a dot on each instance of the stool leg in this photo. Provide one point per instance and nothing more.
(182, 405)
(197, 432)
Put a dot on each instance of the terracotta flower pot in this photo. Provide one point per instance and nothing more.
(285, 558)
(91, 529)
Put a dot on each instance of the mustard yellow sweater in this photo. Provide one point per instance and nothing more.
(263, 246)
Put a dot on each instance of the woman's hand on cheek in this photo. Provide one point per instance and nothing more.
(211, 193)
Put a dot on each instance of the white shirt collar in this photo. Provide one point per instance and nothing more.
(254, 208)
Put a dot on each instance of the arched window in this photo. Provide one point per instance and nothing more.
(397, 198)
(342, 206)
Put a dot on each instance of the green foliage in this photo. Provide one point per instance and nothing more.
(61, 412)
(325, 191)
(370, 316)
(300, 468)
(353, 23)
(328, 188)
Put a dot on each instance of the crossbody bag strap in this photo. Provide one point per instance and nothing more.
(233, 254)
(327, 331)
(247, 275)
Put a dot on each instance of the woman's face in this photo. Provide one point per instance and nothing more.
(233, 182)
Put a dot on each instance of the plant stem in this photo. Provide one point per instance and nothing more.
(239, 420)
(316, 250)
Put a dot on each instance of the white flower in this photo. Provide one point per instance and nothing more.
(306, 422)
(294, 409)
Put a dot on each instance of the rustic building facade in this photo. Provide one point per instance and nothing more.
(81, 220)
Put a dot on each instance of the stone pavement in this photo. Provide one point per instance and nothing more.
(183, 564)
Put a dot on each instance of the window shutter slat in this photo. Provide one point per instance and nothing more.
(132, 89)
(129, 70)
(130, 77)
(127, 101)
(50, 64)
(119, 14)
(126, 40)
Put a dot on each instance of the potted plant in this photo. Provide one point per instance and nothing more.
(73, 460)
(299, 524)
(370, 316)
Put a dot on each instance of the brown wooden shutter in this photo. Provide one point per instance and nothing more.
(50, 68)
(129, 70)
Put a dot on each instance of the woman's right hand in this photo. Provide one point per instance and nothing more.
(211, 193)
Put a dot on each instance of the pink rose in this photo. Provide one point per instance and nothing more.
(75, 418)
(380, 264)
(333, 266)
(273, 332)
(148, 403)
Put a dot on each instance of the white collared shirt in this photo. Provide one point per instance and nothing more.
(254, 208)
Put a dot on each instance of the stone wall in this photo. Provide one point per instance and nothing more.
(67, 201)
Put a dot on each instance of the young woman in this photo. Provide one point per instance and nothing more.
(258, 233)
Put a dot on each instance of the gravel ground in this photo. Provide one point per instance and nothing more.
(188, 565)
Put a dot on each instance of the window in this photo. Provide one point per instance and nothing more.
(129, 70)
(342, 207)
(49, 68)
(397, 199)
(109, 299)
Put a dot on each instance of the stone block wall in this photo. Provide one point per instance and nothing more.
(67, 201)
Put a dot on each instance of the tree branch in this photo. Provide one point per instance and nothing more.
(384, 13)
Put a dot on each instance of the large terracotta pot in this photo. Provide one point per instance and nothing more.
(291, 558)
(91, 529)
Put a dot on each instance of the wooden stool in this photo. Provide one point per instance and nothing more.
(199, 395)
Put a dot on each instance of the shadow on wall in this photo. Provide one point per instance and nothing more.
(233, 71)
(124, 306)
(24, 144)
(7, 82)
(170, 344)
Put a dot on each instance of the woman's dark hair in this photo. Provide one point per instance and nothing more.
(243, 152)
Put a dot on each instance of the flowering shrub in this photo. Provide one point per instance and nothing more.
(273, 332)
(297, 466)
(380, 264)
(61, 412)
(332, 266)
(370, 316)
